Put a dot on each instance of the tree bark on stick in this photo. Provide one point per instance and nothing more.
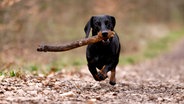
(75, 44)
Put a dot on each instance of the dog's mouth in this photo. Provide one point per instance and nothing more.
(106, 41)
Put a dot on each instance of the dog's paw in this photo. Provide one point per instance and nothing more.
(112, 82)
(102, 76)
(96, 77)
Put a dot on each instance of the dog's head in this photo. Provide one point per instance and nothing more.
(102, 23)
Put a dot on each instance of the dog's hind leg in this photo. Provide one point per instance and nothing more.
(113, 77)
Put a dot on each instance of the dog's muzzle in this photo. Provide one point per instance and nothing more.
(106, 41)
(104, 34)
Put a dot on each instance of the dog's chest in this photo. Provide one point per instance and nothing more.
(104, 53)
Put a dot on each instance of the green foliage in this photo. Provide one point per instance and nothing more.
(34, 68)
(78, 62)
(154, 48)
(129, 60)
(1, 73)
(12, 73)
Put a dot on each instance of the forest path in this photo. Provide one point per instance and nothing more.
(160, 80)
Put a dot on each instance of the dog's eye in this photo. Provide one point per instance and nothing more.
(106, 22)
(98, 23)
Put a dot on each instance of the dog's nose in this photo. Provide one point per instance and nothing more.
(104, 33)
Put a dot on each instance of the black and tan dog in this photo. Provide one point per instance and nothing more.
(103, 55)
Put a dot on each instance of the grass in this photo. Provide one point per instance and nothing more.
(12, 73)
(153, 48)
(156, 47)
(34, 68)
(1, 73)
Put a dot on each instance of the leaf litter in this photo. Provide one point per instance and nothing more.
(156, 81)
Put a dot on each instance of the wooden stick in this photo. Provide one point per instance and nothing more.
(75, 44)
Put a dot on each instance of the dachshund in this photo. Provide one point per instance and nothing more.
(103, 55)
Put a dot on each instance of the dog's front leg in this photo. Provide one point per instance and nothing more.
(92, 69)
(102, 74)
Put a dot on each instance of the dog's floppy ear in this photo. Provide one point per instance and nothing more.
(88, 26)
(113, 22)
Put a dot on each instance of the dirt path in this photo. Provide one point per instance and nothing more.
(158, 81)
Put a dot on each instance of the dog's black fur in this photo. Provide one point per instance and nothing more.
(103, 55)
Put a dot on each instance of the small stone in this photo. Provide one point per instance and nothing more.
(91, 101)
(46, 92)
(114, 94)
(98, 98)
(67, 94)
(21, 92)
(32, 92)
(159, 99)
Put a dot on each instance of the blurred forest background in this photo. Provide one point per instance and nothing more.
(24, 24)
